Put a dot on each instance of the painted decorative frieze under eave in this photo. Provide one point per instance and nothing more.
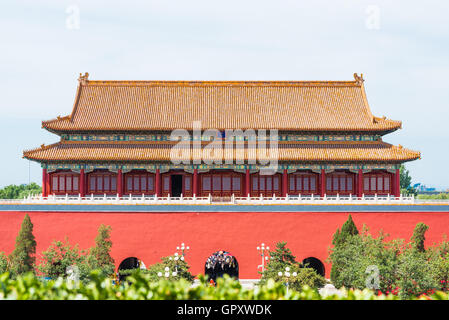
(167, 166)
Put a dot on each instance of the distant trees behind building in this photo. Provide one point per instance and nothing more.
(20, 191)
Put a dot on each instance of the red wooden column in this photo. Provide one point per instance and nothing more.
(360, 183)
(247, 189)
(397, 184)
(284, 182)
(82, 183)
(393, 185)
(48, 184)
(158, 183)
(120, 183)
(44, 183)
(322, 183)
(195, 182)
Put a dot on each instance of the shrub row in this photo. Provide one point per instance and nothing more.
(139, 287)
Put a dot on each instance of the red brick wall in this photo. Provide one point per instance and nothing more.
(149, 236)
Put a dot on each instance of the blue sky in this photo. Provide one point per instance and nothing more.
(401, 47)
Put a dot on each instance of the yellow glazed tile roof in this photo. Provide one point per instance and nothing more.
(168, 105)
(376, 151)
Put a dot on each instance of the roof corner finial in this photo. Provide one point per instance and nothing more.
(358, 79)
(83, 78)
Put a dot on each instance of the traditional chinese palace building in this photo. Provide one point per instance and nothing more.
(117, 140)
(116, 147)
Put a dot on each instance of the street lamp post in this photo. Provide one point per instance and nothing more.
(180, 255)
(262, 249)
(183, 250)
(167, 274)
(286, 275)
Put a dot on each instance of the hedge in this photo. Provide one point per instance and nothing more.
(137, 287)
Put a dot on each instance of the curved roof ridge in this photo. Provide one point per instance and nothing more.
(121, 105)
(42, 147)
(220, 83)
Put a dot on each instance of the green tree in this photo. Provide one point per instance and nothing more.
(405, 268)
(438, 258)
(347, 230)
(19, 191)
(404, 177)
(418, 236)
(282, 258)
(101, 254)
(179, 266)
(405, 181)
(3, 263)
(350, 261)
(59, 256)
(439, 265)
(282, 255)
(414, 273)
(22, 259)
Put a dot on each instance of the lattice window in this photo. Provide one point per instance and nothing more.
(64, 182)
(223, 184)
(340, 183)
(377, 183)
(140, 183)
(267, 185)
(102, 182)
(303, 183)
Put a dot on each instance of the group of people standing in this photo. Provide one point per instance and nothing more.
(220, 263)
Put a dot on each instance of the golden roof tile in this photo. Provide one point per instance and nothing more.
(168, 105)
(376, 151)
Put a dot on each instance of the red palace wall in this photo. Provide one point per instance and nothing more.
(150, 236)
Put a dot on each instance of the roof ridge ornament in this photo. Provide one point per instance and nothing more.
(358, 79)
(83, 79)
